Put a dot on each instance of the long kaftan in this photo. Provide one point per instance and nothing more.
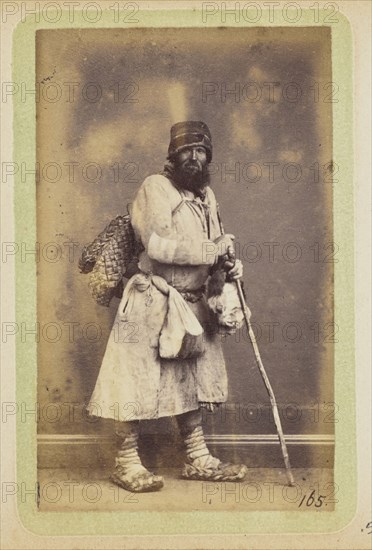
(177, 230)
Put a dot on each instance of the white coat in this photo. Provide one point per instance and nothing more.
(177, 230)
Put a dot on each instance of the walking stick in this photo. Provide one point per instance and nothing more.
(269, 388)
(261, 368)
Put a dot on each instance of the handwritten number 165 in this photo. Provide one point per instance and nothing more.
(310, 501)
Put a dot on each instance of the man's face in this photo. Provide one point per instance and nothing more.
(192, 160)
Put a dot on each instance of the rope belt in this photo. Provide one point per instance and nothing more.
(188, 295)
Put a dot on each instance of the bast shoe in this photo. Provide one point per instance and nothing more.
(137, 481)
(213, 469)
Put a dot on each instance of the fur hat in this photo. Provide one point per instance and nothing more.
(190, 133)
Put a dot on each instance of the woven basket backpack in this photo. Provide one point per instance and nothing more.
(108, 258)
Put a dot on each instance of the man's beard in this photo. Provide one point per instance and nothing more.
(191, 175)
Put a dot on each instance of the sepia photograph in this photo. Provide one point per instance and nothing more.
(185, 275)
(189, 331)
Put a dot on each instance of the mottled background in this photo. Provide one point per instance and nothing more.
(141, 82)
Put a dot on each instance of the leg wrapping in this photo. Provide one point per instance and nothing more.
(129, 472)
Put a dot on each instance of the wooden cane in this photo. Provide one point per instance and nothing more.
(261, 368)
(268, 386)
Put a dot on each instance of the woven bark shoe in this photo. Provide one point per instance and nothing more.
(136, 480)
(129, 472)
(213, 470)
(201, 465)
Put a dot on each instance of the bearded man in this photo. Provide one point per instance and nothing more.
(175, 217)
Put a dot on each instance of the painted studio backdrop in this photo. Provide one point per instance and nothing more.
(106, 103)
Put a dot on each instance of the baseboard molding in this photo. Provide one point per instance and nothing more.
(259, 450)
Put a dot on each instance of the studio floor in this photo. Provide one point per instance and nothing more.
(263, 489)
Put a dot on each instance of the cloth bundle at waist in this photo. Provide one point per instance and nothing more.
(180, 335)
